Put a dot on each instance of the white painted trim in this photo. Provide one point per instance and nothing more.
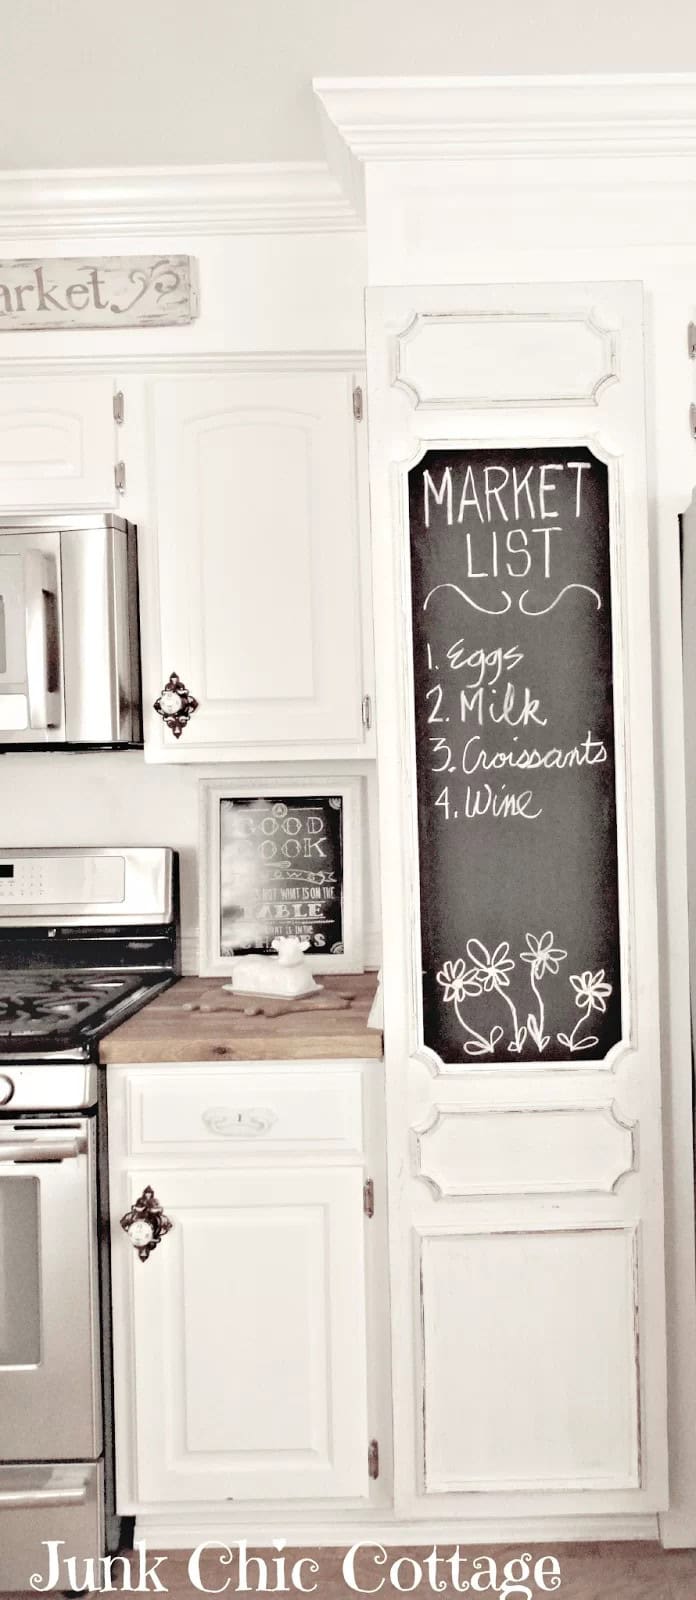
(136, 202)
(185, 361)
(185, 1527)
(587, 318)
(559, 115)
(441, 1189)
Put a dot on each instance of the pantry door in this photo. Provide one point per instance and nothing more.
(519, 899)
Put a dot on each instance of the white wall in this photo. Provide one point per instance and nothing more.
(229, 80)
(112, 797)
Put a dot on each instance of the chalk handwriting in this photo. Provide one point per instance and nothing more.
(542, 611)
(490, 611)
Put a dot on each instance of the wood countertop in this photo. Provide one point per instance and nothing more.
(197, 1020)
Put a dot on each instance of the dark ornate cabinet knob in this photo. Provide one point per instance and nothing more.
(146, 1223)
(175, 705)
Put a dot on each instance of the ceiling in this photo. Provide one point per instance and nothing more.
(166, 82)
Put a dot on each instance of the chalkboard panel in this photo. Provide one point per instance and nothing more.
(281, 872)
(515, 756)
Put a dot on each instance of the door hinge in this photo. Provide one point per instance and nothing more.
(367, 712)
(119, 407)
(692, 421)
(358, 403)
(120, 476)
(373, 1459)
(369, 1197)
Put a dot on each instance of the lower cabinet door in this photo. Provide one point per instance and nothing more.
(248, 1329)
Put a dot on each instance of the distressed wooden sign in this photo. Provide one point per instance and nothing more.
(103, 292)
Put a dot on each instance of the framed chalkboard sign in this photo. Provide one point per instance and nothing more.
(281, 857)
(516, 764)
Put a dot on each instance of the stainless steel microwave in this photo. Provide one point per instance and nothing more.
(69, 646)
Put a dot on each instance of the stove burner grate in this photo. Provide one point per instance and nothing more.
(49, 1003)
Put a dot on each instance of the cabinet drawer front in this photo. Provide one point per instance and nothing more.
(228, 1111)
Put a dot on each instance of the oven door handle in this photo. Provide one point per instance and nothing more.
(38, 1150)
(27, 1499)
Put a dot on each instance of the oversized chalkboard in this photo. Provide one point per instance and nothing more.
(515, 754)
(281, 872)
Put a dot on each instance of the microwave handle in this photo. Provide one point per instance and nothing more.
(27, 1499)
(42, 635)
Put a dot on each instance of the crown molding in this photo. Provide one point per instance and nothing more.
(163, 363)
(139, 202)
(448, 118)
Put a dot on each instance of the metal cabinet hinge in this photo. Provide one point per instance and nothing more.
(692, 421)
(358, 403)
(120, 476)
(369, 1198)
(691, 336)
(119, 407)
(367, 712)
(373, 1459)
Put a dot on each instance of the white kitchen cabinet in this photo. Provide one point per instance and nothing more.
(240, 1343)
(261, 534)
(58, 443)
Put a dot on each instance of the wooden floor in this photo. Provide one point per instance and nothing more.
(588, 1572)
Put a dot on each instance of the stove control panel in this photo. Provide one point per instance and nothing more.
(56, 1086)
(62, 880)
(128, 886)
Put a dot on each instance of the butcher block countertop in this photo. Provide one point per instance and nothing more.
(198, 1020)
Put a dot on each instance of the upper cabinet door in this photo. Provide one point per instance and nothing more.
(261, 610)
(57, 444)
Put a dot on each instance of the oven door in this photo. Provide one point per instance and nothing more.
(38, 1504)
(50, 1387)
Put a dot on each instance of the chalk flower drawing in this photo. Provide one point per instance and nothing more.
(591, 991)
(457, 982)
(542, 956)
(491, 970)
(591, 994)
(489, 973)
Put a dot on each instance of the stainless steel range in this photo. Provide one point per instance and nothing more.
(86, 938)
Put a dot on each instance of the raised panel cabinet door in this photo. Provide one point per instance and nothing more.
(259, 560)
(249, 1348)
(57, 446)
